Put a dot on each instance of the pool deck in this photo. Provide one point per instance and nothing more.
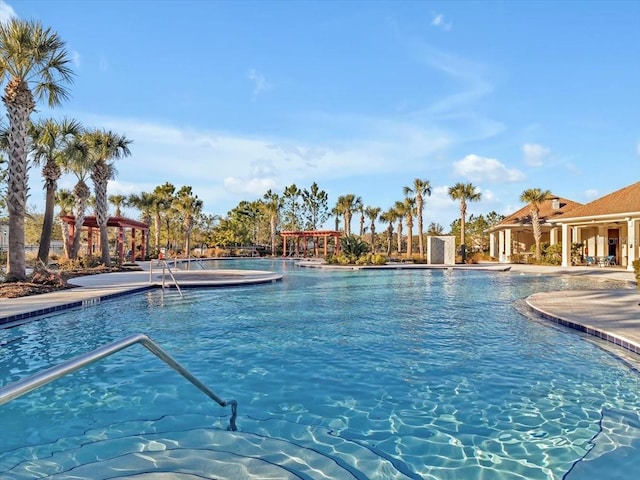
(92, 289)
(612, 314)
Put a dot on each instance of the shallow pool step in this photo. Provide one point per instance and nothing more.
(201, 453)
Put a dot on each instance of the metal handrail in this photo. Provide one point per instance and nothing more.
(26, 385)
(165, 265)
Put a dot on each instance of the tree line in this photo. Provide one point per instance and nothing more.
(35, 66)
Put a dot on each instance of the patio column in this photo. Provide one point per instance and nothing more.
(600, 243)
(133, 244)
(492, 245)
(566, 245)
(632, 242)
(505, 246)
(553, 235)
(120, 245)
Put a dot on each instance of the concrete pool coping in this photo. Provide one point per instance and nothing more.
(612, 314)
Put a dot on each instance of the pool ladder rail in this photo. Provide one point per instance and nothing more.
(26, 385)
(165, 268)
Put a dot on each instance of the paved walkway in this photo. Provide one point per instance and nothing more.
(612, 314)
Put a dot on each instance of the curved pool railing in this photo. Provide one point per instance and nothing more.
(26, 385)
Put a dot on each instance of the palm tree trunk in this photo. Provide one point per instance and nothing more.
(409, 239)
(399, 238)
(49, 173)
(537, 233)
(463, 246)
(420, 226)
(64, 227)
(19, 103)
(100, 175)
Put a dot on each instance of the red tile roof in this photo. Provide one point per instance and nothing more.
(547, 212)
(625, 200)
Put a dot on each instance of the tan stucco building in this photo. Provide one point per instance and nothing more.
(606, 227)
(514, 235)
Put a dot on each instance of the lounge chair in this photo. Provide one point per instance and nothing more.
(610, 261)
(590, 260)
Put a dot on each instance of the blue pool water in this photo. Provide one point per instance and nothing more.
(359, 374)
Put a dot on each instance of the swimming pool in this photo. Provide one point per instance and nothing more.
(355, 374)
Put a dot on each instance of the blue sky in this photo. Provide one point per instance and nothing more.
(235, 98)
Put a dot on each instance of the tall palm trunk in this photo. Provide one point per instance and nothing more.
(463, 214)
(537, 231)
(420, 225)
(51, 173)
(82, 193)
(100, 174)
(347, 223)
(389, 238)
(64, 227)
(399, 236)
(409, 236)
(19, 103)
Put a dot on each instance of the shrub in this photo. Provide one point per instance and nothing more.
(553, 254)
(352, 245)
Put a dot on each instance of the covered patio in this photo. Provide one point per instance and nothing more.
(121, 223)
(303, 237)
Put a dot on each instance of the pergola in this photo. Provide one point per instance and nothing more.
(316, 235)
(121, 223)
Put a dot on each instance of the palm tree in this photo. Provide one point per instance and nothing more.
(389, 217)
(64, 200)
(34, 62)
(272, 204)
(50, 142)
(79, 164)
(409, 210)
(335, 212)
(360, 208)
(372, 214)
(345, 206)
(534, 197)
(163, 198)
(117, 201)
(144, 202)
(104, 147)
(465, 192)
(188, 206)
(399, 209)
(418, 191)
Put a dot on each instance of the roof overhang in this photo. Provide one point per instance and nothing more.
(593, 219)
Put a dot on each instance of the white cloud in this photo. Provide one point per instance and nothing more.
(103, 64)
(591, 194)
(76, 58)
(638, 148)
(535, 154)
(6, 12)
(255, 187)
(483, 169)
(224, 168)
(438, 21)
(260, 83)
